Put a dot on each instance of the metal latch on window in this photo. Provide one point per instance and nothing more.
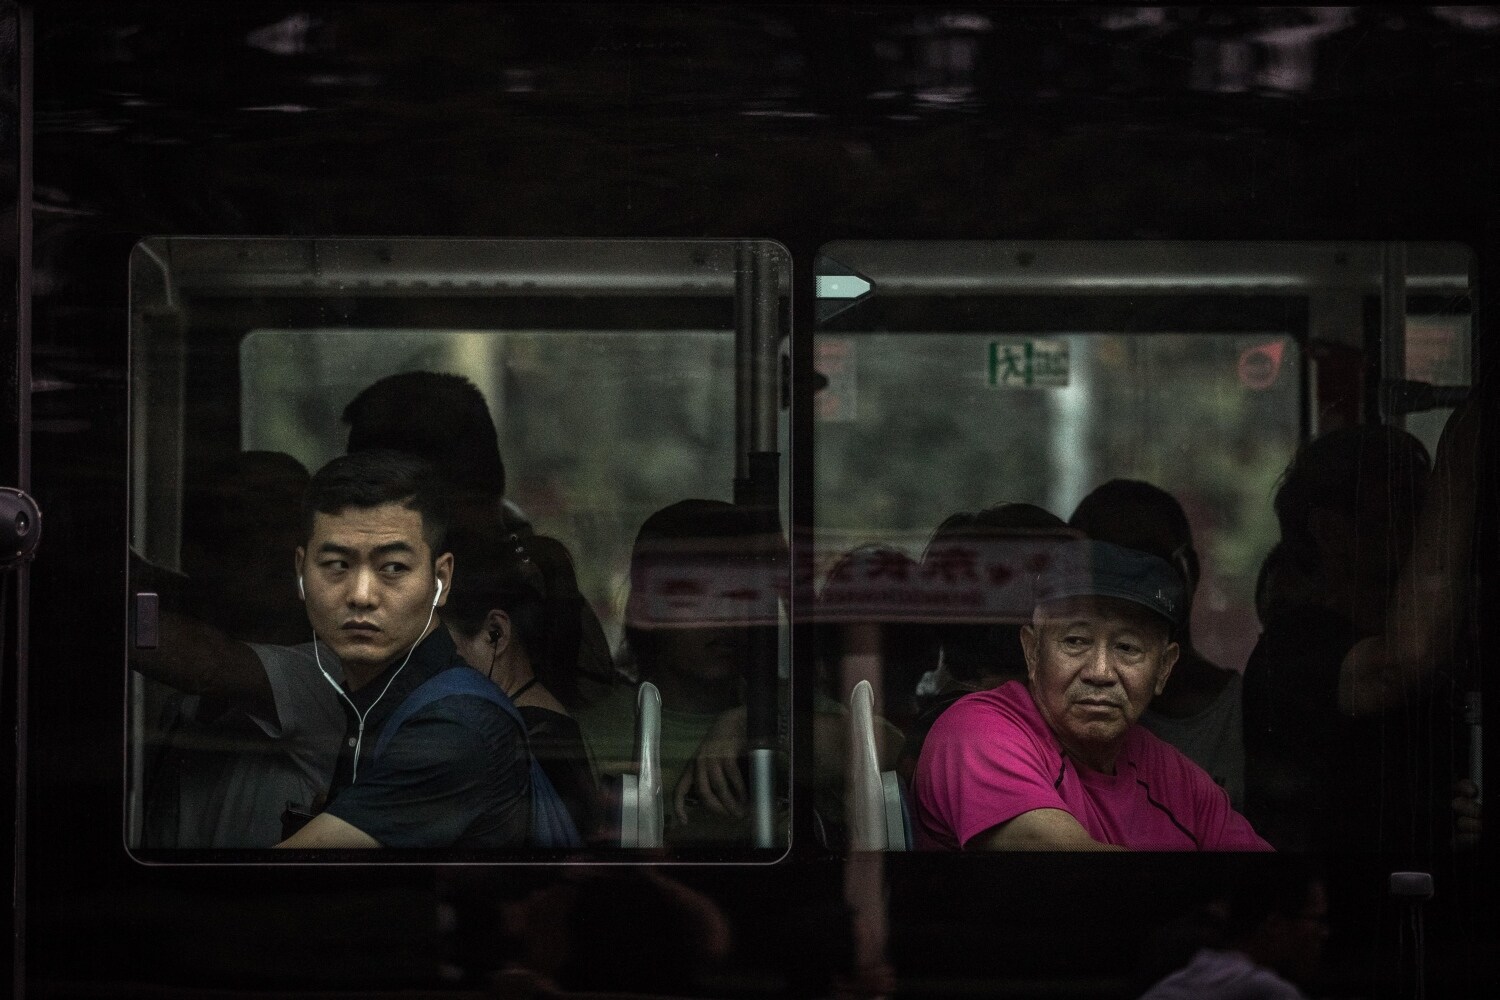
(20, 527)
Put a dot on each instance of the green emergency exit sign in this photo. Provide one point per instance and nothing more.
(1028, 364)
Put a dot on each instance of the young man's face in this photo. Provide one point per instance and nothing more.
(1094, 664)
(370, 580)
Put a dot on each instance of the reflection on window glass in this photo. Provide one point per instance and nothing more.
(549, 394)
(458, 546)
(940, 423)
(1439, 352)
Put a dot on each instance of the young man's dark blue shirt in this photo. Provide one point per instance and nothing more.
(455, 775)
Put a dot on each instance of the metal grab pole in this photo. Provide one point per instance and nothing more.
(757, 486)
(744, 367)
(1392, 330)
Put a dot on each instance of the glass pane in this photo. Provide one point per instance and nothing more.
(1439, 351)
(1065, 512)
(549, 393)
(583, 418)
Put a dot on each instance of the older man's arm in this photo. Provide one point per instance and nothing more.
(1038, 830)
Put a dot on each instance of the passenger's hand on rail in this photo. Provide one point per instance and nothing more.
(714, 772)
(1466, 814)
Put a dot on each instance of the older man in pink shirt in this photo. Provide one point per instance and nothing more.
(1058, 763)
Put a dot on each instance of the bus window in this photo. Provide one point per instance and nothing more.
(1439, 353)
(988, 408)
(607, 441)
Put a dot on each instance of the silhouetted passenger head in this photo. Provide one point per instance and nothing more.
(701, 573)
(1137, 515)
(1278, 914)
(531, 580)
(443, 418)
(1349, 500)
(973, 650)
(241, 521)
(625, 931)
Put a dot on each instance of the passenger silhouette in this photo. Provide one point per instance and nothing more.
(1317, 779)
(214, 779)
(445, 419)
(702, 584)
(613, 933)
(1271, 928)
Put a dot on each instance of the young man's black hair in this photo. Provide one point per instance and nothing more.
(374, 478)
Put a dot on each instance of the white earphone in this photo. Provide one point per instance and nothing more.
(359, 737)
(301, 590)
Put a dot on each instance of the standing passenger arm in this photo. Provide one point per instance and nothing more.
(197, 658)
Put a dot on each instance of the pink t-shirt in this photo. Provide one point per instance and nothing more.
(991, 757)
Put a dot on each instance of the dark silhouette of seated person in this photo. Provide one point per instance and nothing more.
(867, 590)
(690, 633)
(216, 779)
(513, 615)
(1200, 710)
(1059, 763)
(976, 654)
(238, 522)
(1270, 937)
(613, 932)
(445, 419)
(1317, 779)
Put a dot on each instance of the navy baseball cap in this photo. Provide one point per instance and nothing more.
(1088, 568)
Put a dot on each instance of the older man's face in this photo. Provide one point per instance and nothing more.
(1094, 664)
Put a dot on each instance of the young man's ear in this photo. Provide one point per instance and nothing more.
(442, 569)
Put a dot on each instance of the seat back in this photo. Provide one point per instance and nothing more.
(642, 804)
(877, 812)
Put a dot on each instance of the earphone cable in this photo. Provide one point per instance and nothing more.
(359, 738)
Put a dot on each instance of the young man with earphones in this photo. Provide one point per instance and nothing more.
(411, 747)
(433, 772)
